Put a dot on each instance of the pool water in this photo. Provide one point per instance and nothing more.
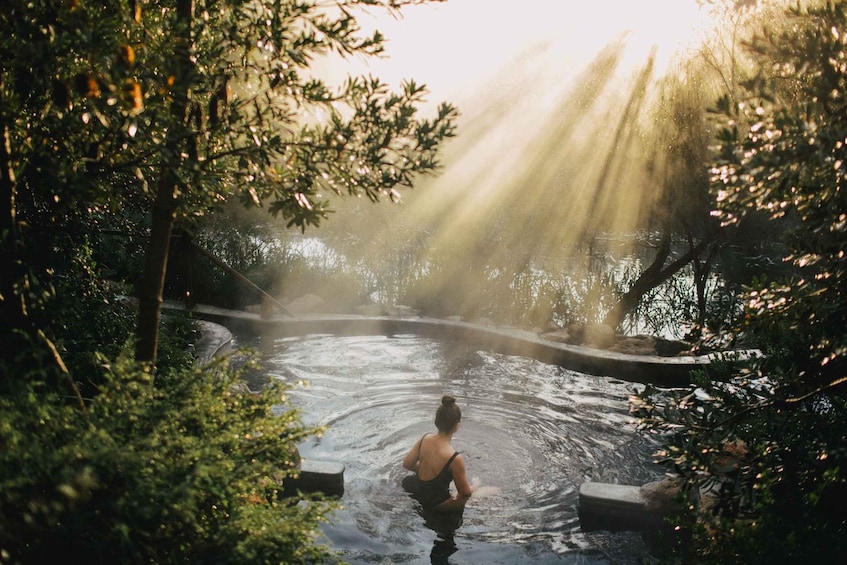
(535, 431)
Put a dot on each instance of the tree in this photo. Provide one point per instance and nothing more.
(244, 119)
(687, 235)
(179, 107)
(768, 441)
(690, 238)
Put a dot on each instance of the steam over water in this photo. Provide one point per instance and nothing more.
(536, 431)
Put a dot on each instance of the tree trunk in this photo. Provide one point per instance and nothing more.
(164, 206)
(9, 306)
(702, 270)
(653, 276)
(153, 278)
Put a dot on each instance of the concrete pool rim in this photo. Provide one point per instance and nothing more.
(653, 369)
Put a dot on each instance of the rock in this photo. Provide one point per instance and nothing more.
(575, 331)
(669, 347)
(267, 311)
(612, 507)
(242, 387)
(635, 345)
(304, 304)
(600, 336)
(323, 476)
(660, 497)
(212, 340)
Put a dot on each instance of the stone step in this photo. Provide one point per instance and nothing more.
(318, 475)
(611, 507)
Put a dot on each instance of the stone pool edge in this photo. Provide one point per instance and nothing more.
(653, 369)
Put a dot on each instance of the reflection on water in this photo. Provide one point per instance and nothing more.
(536, 431)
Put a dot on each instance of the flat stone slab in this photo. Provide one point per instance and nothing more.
(611, 507)
(601, 495)
(318, 476)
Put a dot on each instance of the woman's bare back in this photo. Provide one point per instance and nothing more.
(434, 455)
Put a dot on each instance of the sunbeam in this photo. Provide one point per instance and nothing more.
(556, 142)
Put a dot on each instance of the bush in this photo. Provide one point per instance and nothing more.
(186, 471)
(768, 442)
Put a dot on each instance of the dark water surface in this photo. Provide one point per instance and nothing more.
(535, 431)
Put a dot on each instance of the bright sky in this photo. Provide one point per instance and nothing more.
(452, 46)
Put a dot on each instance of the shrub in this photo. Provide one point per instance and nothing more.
(185, 471)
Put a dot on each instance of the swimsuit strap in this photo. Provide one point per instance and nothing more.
(447, 465)
(420, 444)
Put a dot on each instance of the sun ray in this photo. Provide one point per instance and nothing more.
(554, 143)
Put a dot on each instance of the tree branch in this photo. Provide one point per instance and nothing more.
(57, 357)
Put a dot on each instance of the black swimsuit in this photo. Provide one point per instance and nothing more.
(433, 492)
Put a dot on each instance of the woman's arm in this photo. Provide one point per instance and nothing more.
(465, 490)
(412, 459)
(460, 478)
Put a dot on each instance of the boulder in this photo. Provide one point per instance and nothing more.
(670, 347)
(575, 333)
(661, 497)
(635, 345)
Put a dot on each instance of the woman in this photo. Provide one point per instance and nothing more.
(436, 464)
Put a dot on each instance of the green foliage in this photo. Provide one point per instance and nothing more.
(265, 255)
(128, 116)
(188, 471)
(265, 128)
(789, 160)
(89, 320)
(767, 442)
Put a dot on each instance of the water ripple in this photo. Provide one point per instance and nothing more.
(533, 430)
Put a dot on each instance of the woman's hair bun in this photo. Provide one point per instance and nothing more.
(448, 415)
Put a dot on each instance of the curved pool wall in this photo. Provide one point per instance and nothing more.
(653, 369)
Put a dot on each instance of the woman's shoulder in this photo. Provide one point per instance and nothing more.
(456, 463)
